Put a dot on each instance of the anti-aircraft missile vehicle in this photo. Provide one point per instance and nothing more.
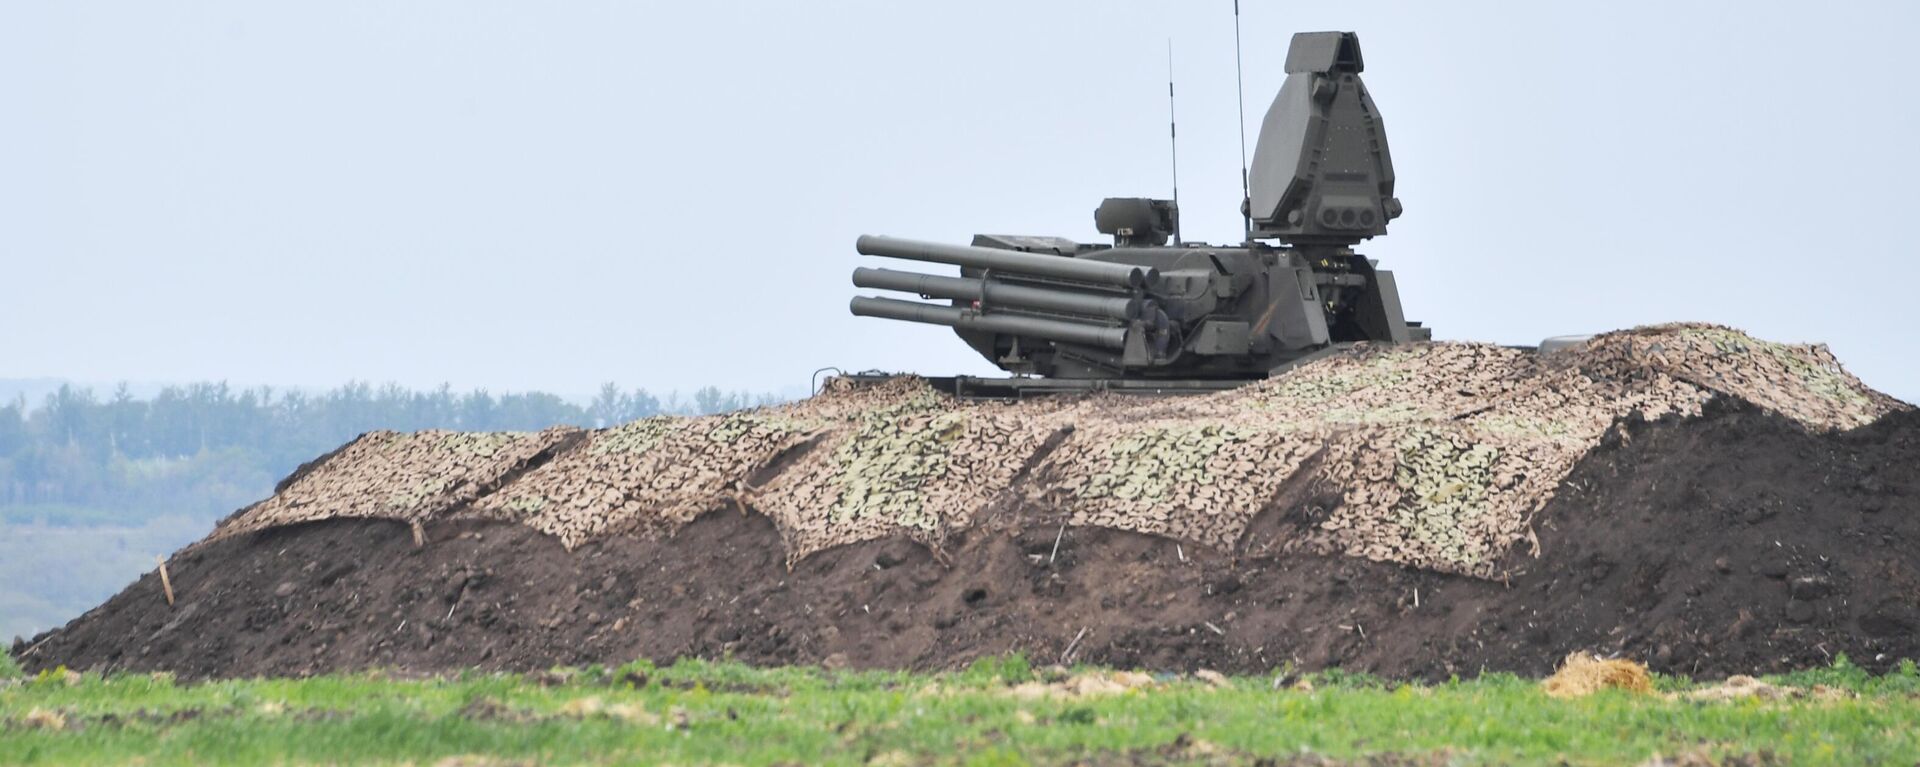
(1151, 312)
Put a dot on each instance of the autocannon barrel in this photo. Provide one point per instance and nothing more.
(991, 293)
(1060, 267)
(955, 317)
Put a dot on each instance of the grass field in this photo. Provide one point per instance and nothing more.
(1000, 711)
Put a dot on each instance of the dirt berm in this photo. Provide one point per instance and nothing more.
(1685, 495)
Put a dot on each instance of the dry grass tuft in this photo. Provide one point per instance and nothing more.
(1582, 674)
(42, 719)
(480, 760)
(1084, 685)
(1740, 687)
(1737, 687)
(593, 707)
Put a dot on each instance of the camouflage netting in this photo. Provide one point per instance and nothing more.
(654, 473)
(409, 477)
(914, 463)
(1441, 453)
(1198, 479)
(1802, 382)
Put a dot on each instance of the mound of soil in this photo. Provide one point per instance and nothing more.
(1443, 452)
(1737, 542)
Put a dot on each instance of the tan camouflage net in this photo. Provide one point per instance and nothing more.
(919, 465)
(656, 473)
(409, 477)
(1441, 453)
(1191, 478)
(1452, 491)
(1800, 381)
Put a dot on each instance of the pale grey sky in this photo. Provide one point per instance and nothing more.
(550, 195)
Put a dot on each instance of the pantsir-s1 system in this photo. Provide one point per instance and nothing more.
(1158, 312)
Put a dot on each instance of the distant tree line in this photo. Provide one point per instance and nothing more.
(207, 448)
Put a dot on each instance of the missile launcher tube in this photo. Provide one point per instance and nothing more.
(998, 294)
(955, 317)
(1058, 267)
(1320, 181)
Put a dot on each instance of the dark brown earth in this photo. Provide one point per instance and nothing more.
(1735, 543)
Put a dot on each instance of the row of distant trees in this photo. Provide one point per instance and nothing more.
(207, 448)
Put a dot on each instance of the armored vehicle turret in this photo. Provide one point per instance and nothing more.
(1152, 308)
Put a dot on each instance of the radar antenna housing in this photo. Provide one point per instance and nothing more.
(1322, 174)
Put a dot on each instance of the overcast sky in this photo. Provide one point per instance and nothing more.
(550, 195)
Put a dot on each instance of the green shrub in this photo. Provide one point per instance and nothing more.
(636, 675)
(1842, 673)
(1341, 679)
(1005, 669)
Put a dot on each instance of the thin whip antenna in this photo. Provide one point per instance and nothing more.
(1240, 95)
(1173, 139)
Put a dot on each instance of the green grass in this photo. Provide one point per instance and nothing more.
(705, 712)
